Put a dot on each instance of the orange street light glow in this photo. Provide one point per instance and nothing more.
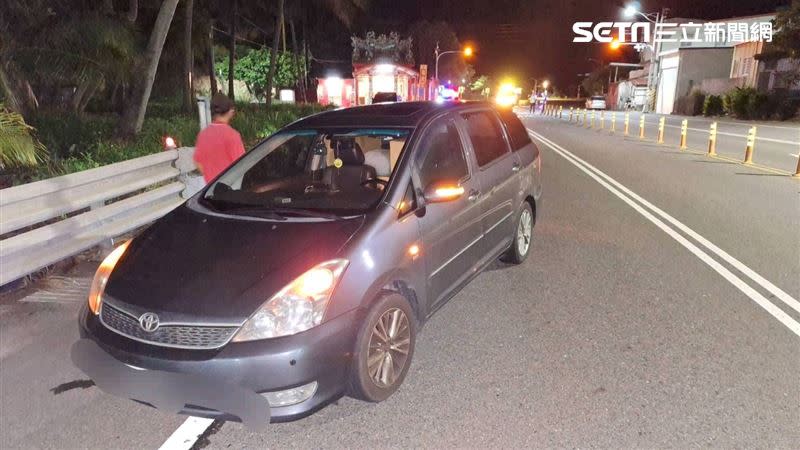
(615, 44)
(413, 250)
(468, 51)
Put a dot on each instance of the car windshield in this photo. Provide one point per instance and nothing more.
(310, 173)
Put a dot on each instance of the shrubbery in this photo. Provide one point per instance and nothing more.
(712, 106)
(749, 104)
(79, 143)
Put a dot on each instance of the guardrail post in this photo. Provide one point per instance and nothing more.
(661, 130)
(751, 143)
(602, 120)
(684, 129)
(627, 121)
(641, 126)
(712, 139)
(613, 121)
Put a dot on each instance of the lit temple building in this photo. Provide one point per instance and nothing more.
(381, 65)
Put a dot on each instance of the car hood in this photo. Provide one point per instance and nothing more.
(191, 267)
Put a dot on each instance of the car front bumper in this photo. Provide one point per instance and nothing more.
(225, 383)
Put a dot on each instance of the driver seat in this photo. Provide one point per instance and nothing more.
(353, 171)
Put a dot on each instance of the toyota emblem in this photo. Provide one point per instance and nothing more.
(148, 322)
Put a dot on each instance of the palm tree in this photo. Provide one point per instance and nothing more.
(188, 58)
(18, 146)
(273, 60)
(133, 115)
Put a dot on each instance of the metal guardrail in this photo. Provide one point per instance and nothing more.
(47, 221)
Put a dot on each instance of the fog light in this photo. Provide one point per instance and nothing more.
(291, 396)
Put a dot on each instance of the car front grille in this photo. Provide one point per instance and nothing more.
(200, 337)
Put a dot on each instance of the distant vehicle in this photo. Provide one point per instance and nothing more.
(596, 102)
(385, 97)
(447, 93)
(304, 271)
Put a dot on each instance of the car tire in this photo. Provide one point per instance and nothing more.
(523, 234)
(374, 376)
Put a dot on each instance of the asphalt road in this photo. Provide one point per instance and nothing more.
(777, 143)
(616, 332)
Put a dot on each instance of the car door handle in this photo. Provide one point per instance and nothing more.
(515, 167)
(473, 195)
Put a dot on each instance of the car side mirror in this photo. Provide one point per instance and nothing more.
(442, 191)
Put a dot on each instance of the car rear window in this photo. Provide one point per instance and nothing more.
(516, 130)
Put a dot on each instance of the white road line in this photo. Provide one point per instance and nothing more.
(766, 284)
(186, 435)
(754, 295)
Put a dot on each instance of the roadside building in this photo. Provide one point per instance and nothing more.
(381, 64)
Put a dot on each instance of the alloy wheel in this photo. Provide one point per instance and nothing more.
(524, 231)
(388, 347)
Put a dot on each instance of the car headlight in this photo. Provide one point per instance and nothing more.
(297, 307)
(101, 277)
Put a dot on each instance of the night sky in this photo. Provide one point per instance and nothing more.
(533, 38)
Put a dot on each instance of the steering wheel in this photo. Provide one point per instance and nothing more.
(376, 181)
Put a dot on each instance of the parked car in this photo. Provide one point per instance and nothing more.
(596, 102)
(305, 270)
(384, 97)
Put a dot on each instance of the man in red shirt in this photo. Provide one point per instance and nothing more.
(218, 145)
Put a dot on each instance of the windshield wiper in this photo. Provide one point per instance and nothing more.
(305, 213)
(241, 209)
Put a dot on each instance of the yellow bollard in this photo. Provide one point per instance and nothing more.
(627, 121)
(797, 172)
(570, 113)
(593, 113)
(684, 130)
(661, 130)
(613, 121)
(751, 143)
(602, 120)
(712, 139)
(641, 126)
(560, 112)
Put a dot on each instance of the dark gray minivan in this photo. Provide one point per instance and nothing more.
(304, 271)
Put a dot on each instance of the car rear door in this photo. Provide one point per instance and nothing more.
(497, 170)
(451, 231)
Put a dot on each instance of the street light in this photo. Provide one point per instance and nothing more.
(633, 10)
(467, 52)
(657, 19)
(615, 44)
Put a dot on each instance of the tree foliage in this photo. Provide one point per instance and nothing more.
(252, 67)
(787, 26)
(18, 145)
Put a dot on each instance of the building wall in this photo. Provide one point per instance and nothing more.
(744, 64)
(698, 64)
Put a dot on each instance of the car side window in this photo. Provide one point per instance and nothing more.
(516, 130)
(440, 156)
(486, 136)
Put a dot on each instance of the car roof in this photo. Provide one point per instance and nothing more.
(403, 114)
